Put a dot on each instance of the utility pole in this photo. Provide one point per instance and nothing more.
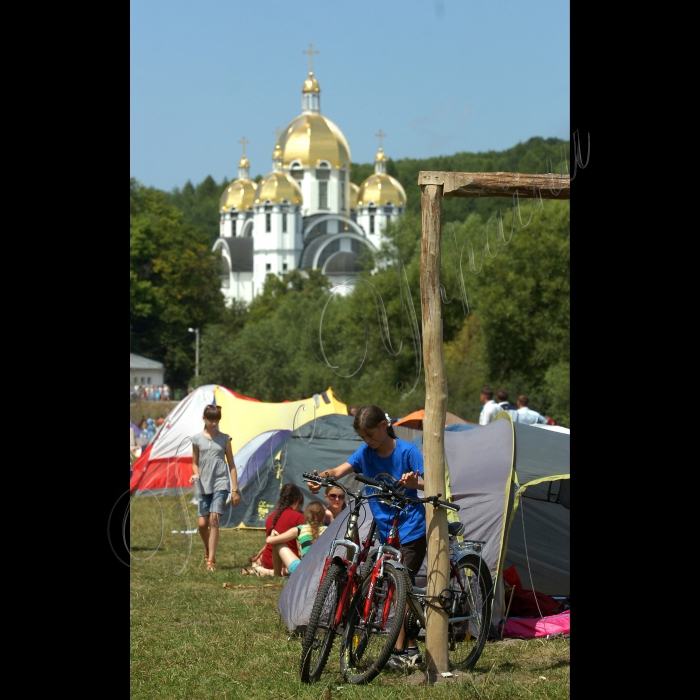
(196, 350)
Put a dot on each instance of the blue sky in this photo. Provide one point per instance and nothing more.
(436, 76)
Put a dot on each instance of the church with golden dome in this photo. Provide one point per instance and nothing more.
(304, 214)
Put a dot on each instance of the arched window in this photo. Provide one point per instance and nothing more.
(296, 170)
(323, 170)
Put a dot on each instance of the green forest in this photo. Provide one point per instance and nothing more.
(506, 307)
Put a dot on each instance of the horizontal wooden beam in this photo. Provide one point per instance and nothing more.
(546, 186)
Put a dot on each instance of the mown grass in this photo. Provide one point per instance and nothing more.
(193, 638)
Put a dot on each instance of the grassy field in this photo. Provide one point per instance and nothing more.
(193, 637)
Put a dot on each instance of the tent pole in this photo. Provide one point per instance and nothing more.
(437, 660)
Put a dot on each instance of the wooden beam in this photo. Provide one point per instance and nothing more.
(547, 186)
(434, 428)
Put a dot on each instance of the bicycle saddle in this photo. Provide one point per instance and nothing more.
(455, 529)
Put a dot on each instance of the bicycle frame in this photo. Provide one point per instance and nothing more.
(351, 543)
(391, 549)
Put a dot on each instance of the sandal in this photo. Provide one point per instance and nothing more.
(211, 566)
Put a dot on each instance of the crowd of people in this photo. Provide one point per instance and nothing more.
(150, 392)
(520, 413)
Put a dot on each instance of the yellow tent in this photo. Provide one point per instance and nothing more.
(243, 419)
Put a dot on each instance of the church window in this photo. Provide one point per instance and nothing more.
(323, 195)
(297, 170)
(284, 266)
(268, 267)
(284, 222)
(371, 223)
(233, 227)
(323, 171)
(268, 223)
(342, 195)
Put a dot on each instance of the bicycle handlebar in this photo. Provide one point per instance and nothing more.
(366, 480)
(384, 488)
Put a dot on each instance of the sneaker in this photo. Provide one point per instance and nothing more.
(401, 661)
(414, 657)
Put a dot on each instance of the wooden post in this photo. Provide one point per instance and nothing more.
(546, 186)
(437, 660)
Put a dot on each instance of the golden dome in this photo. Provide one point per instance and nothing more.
(311, 84)
(239, 194)
(380, 189)
(311, 138)
(277, 153)
(354, 191)
(243, 162)
(276, 187)
(380, 157)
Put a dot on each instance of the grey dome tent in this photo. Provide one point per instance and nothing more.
(512, 482)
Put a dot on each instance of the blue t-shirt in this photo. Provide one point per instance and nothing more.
(406, 457)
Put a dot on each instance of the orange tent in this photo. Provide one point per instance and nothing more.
(415, 420)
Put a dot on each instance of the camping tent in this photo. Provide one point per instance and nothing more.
(415, 420)
(320, 444)
(165, 466)
(410, 427)
(509, 479)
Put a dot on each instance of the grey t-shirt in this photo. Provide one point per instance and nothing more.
(213, 468)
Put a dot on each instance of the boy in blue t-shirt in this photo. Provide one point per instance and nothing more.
(384, 455)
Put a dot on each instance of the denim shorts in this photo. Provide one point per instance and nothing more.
(212, 503)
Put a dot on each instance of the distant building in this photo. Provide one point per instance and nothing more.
(305, 213)
(145, 372)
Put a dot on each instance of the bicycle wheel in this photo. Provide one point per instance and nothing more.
(472, 597)
(320, 631)
(367, 644)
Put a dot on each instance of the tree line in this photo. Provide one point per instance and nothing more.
(506, 312)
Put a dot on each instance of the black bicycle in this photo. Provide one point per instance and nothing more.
(376, 613)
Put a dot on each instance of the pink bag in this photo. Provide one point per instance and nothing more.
(531, 627)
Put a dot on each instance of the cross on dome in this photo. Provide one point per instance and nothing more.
(381, 135)
(311, 53)
(244, 141)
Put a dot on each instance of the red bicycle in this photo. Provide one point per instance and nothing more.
(345, 568)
